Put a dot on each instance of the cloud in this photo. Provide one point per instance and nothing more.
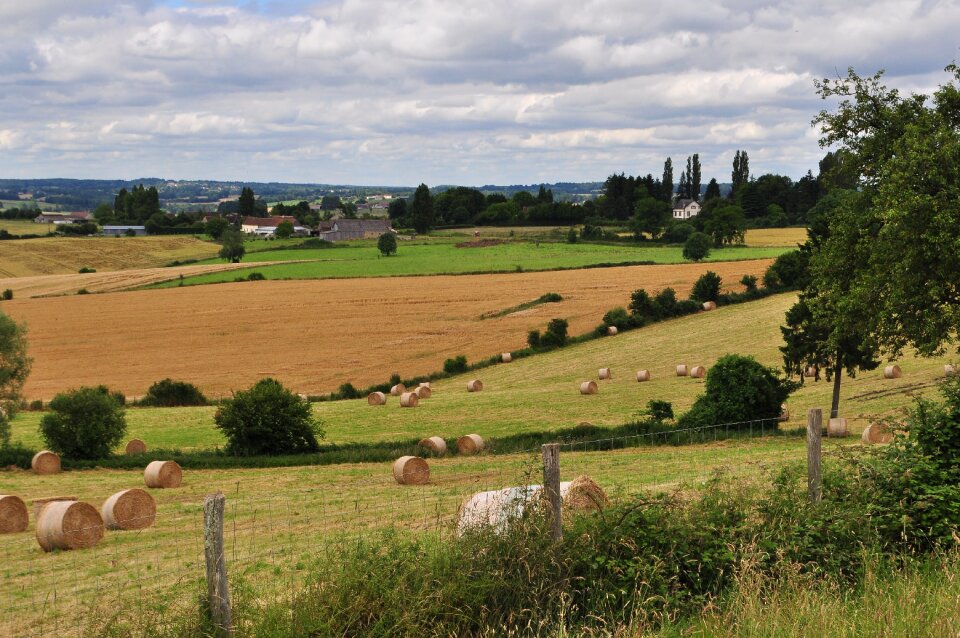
(404, 91)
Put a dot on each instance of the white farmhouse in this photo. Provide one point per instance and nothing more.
(685, 209)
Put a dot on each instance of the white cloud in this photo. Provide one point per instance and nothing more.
(403, 91)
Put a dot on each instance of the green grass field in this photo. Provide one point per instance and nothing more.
(25, 227)
(362, 259)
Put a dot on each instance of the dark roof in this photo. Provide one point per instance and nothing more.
(362, 225)
(683, 203)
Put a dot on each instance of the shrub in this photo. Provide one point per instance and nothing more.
(7, 294)
(84, 424)
(678, 233)
(617, 317)
(572, 236)
(697, 247)
(117, 396)
(556, 334)
(394, 379)
(255, 276)
(455, 365)
(789, 271)
(83, 291)
(738, 389)
(665, 303)
(85, 269)
(36, 405)
(267, 419)
(533, 338)
(589, 232)
(749, 282)
(348, 391)
(550, 297)
(659, 410)
(387, 244)
(641, 305)
(169, 393)
(707, 287)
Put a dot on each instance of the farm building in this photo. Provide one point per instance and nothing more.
(119, 231)
(267, 226)
(63, 218)
(343, 229)
(686, 208)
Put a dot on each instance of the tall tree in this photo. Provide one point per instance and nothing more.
(741, 171)
(713, 190)
(683, 188)
(247, 202)
(694, 177)
(666, 183)
(421, 211)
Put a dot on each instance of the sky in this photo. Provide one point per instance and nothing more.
(473, 92)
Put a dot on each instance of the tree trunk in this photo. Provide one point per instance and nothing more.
(838, 370)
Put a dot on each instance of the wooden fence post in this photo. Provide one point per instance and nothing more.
(551, 486)
(814, 475)
(218, 589)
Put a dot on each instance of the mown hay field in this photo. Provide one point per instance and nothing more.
(540, 393)
(316, 335)
(62, 255)
(443, 256)
(25, 227)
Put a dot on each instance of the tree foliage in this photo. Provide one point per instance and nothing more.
(697, 247)
(87, 423)
(387, 244)
(231, 246)
(267, 419)
(421, 211)
(14, 370)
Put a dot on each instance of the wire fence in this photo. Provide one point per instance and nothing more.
(277, 531)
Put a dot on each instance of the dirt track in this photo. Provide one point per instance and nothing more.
(315, 335)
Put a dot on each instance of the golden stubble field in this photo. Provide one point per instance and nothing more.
(315, 335)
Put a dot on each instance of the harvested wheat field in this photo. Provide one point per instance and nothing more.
(61, 255)
(315, 335)
(111, 280)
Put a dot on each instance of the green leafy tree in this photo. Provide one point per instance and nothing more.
(87, 423)
(397, 209)
(666, 183)
(284, 230)
(707, 287)
(387, 244)
(247, 203)
(713, 190)
(421, 211)
(14, 370)
(216, 226)
(267, 419)
(556, 334)
(741, 172)
(694, 177)
(231, 246)
(697, 247)
(651, 216)
(726, 225)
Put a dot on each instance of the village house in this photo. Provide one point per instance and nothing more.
(344, 229)
(686, 208)
(267, 226)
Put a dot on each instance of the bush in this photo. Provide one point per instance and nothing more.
(659, 410)
(665, 303)
(255, 276)
(550, 297)
(572, 236)
(387, 244)
(455, 365)
(267, 420)
(739, 389)
(749, 282)
(556, 334)
(85, 270)
(168, 393)
(533, 338)
(347, 391)
(7, 294)
(36, 405)
(707, 287)
(83, 291)
(87, 423)
(790, 271)
(617, 317)
(641, 305)
(678, 233)
(697, 247)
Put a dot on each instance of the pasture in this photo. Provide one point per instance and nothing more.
(25, 227)
(434, 257)
(316, 335)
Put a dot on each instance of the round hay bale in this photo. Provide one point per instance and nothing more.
(698, 372)
(136, 446)
(604, 373)
(837, 427)
(435, 444)
(38, 503)
(476, 385)
(411, 470)
(409, 400)
(470, 444)
(682, 370)
(376, 398)
(129, 509)
(45, 462)
(589, 387)
(784, 412)
(709, 305)
(892, 372)
(612, 330)
(643, 375)
(69, 525)
(810, 372)
(423, 384)
(876, 433)
(584, 424)
(423, 392)
(14, 516)
(163, 474)
(397, 390)
(949, 370)
(583, 495)
(506, 357)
